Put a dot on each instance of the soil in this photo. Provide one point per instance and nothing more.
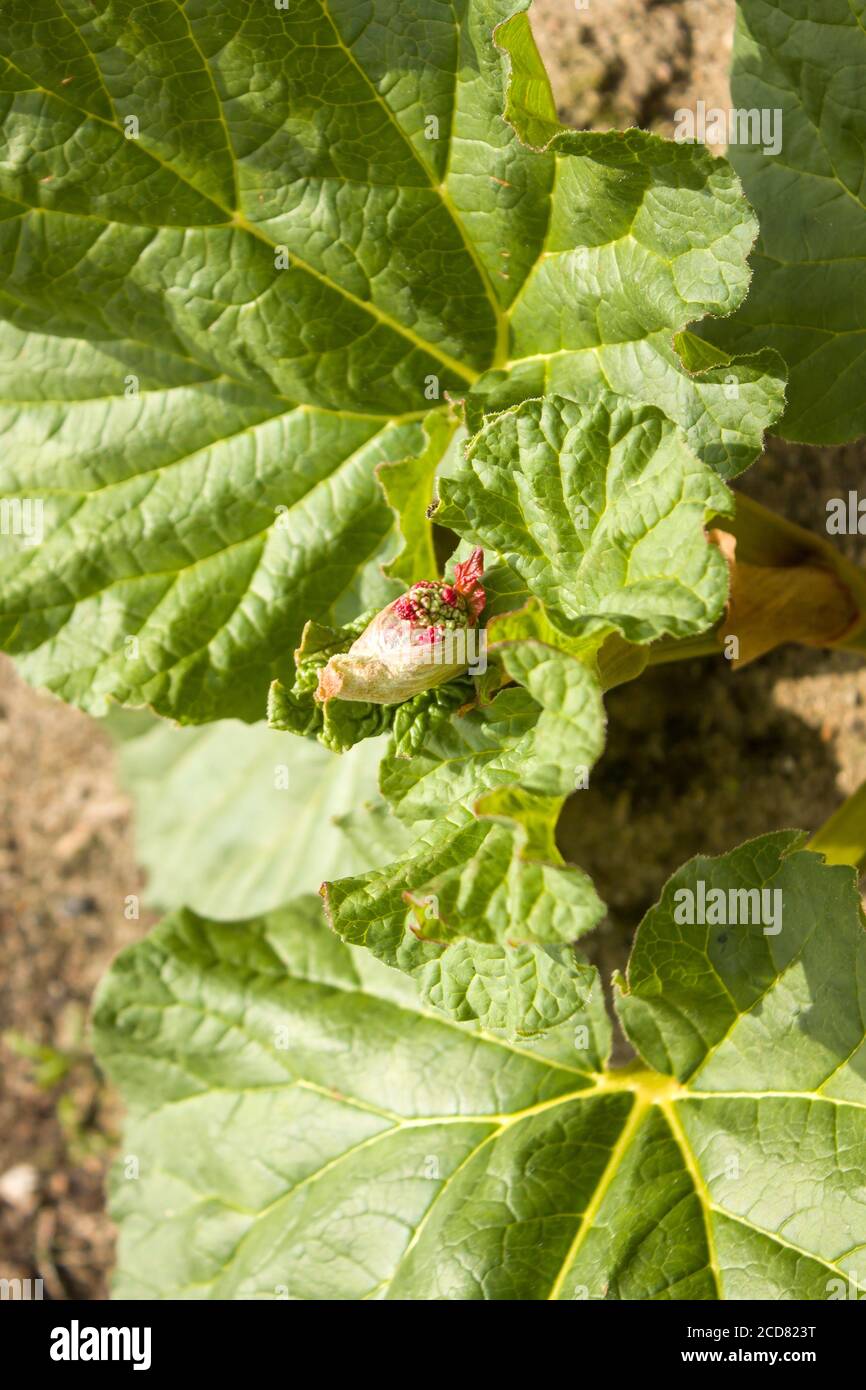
(67, 866)
(634, 62)
(696, 763)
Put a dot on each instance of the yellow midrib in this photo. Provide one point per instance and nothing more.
(612, 1167)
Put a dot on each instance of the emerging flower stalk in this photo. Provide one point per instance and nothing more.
(423, 638)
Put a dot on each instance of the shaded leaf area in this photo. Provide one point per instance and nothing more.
(231, 820)
(800, 67)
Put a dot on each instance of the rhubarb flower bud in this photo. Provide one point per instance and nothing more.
(423, 638)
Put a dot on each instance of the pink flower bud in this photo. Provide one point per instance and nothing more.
(418, 641)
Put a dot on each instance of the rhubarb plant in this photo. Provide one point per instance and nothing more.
(373, 425)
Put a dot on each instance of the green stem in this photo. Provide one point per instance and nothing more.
(684, 648)
(842, 839)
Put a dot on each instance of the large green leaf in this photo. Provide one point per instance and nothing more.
(245, 250)
(188, 530)
(233, 819)
(303, 1128)
(806, 61)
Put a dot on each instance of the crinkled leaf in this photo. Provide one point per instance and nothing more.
(803, 64)
(518, 991)
(419, 718)
(243, 250)
(337, 724)
(543, 733)
(600, 509)
(233, 819)
(643, 237)
(304, 1126)
(481, 911)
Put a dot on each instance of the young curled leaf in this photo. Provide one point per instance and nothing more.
(600, 508)
(417, 719)
(338, 725)
(481, 912)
